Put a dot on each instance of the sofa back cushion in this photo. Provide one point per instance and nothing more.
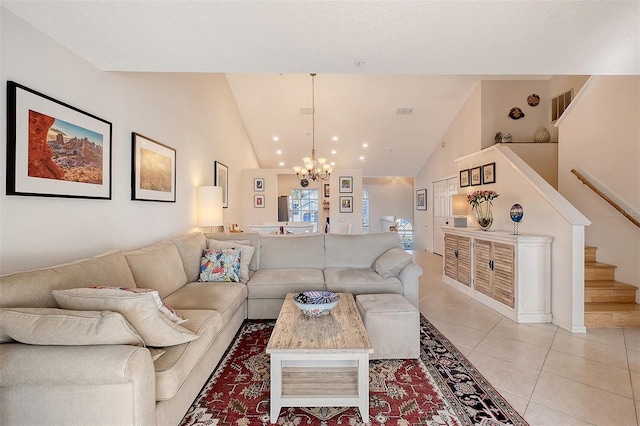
(158, 267)
(292, 251)
(190, 247)
(241, 236)
(33, 288)
(358, 251)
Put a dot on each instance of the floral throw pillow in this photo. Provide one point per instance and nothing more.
(220, 265)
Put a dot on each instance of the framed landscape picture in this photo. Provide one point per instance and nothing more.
(464, 178)
(489, 173)
(222, 180)
(421, 199)
(476, 178)
(55, 149)
(346, 184)
(346, 204)
(153, 170)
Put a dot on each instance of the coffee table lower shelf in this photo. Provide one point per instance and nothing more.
(320, 380)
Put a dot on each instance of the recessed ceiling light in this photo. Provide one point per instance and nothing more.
(279, 151)
(335, 138)
(362, 157)
(364, 145)
(276, 139)
(333, 151)
(281, 163)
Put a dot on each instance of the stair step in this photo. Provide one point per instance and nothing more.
(590, 254)
(596, 271)
(611, 315)
(609, 292)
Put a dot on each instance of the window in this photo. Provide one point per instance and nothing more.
(560, 103)
(304, 206)
(365, 211)
(405, 230)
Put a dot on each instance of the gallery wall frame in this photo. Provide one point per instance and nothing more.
(55, 149)
(476, 176)
(489, 173)
(346, 204)
(221, 173)
(345, 184)
(153, 170)
(327, 190)
(421, 199)
(258, 201)
(465, 179)
(258, 184)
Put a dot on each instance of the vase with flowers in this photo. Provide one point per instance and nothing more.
(481, 202)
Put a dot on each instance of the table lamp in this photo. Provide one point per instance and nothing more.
(210, 206)
(460, 209)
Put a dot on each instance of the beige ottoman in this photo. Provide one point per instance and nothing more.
(393, 325)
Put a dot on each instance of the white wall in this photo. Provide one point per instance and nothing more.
(542, 157)
(600, 136)
(499, 96)
(461, 138)
(193, 113)
(389, 196)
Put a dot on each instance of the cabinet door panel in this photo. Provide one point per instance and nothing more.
(503, 274)
(464, 260)
(450, 260)
(482, 253)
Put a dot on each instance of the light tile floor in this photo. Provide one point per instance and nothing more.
(549, 375)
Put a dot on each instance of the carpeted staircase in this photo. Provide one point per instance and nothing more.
(608, 303)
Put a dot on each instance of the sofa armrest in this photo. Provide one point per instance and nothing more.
(410, 278)
(106, 384)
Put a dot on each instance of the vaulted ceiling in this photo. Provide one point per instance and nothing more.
(371, 57)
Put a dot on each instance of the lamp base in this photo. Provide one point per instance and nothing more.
(460, 222)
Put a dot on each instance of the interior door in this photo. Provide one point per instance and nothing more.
(442, 192)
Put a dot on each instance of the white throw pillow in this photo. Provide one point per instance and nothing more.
(52, 326)
(246, 254)
(390, 263)
(140, 309)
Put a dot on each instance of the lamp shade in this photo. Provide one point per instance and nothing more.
(210, 206)
(459, 205)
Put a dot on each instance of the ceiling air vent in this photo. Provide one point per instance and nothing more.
(404, 111)
(306, 111)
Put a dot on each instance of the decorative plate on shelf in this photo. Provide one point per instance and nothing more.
(316, 303)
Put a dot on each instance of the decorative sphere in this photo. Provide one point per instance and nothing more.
(516, 212)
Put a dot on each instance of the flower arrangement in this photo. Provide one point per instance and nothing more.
(479, 197)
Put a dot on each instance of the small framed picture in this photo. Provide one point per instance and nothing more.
(421, 199)
(346, 184)
(489, 173)
(346, 204)
(476, 178)
(258, 184)
(153, 170)
(258, 201)
(326, 190)
(464, 178)
(221, 173)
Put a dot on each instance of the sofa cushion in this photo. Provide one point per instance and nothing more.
(158, 266)
(51, 326)
(252, 237)
(276, 283)
(358, 251)
(292, 251)
(392, 262)
(173, 368)
(139, 309)
(163, 307)
(33, 288)
(222, 297)
(359, 281)
(246, 254)
(220, 265)
(190, 247)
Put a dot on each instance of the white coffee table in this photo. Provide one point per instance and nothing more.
(320, 362)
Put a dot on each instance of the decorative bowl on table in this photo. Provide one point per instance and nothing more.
(316, 303)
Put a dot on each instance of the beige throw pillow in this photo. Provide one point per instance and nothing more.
(51, 326)
(391, 262)
(140, 309)
(246, 254)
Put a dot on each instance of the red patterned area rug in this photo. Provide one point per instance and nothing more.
(440, 388)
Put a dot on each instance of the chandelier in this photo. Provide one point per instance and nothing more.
(314, 168)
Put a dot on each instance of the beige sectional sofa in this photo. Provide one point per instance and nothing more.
(58, 379)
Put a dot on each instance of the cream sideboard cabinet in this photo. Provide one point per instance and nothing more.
(509, 273)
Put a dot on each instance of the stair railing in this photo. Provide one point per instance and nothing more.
(607, 199)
